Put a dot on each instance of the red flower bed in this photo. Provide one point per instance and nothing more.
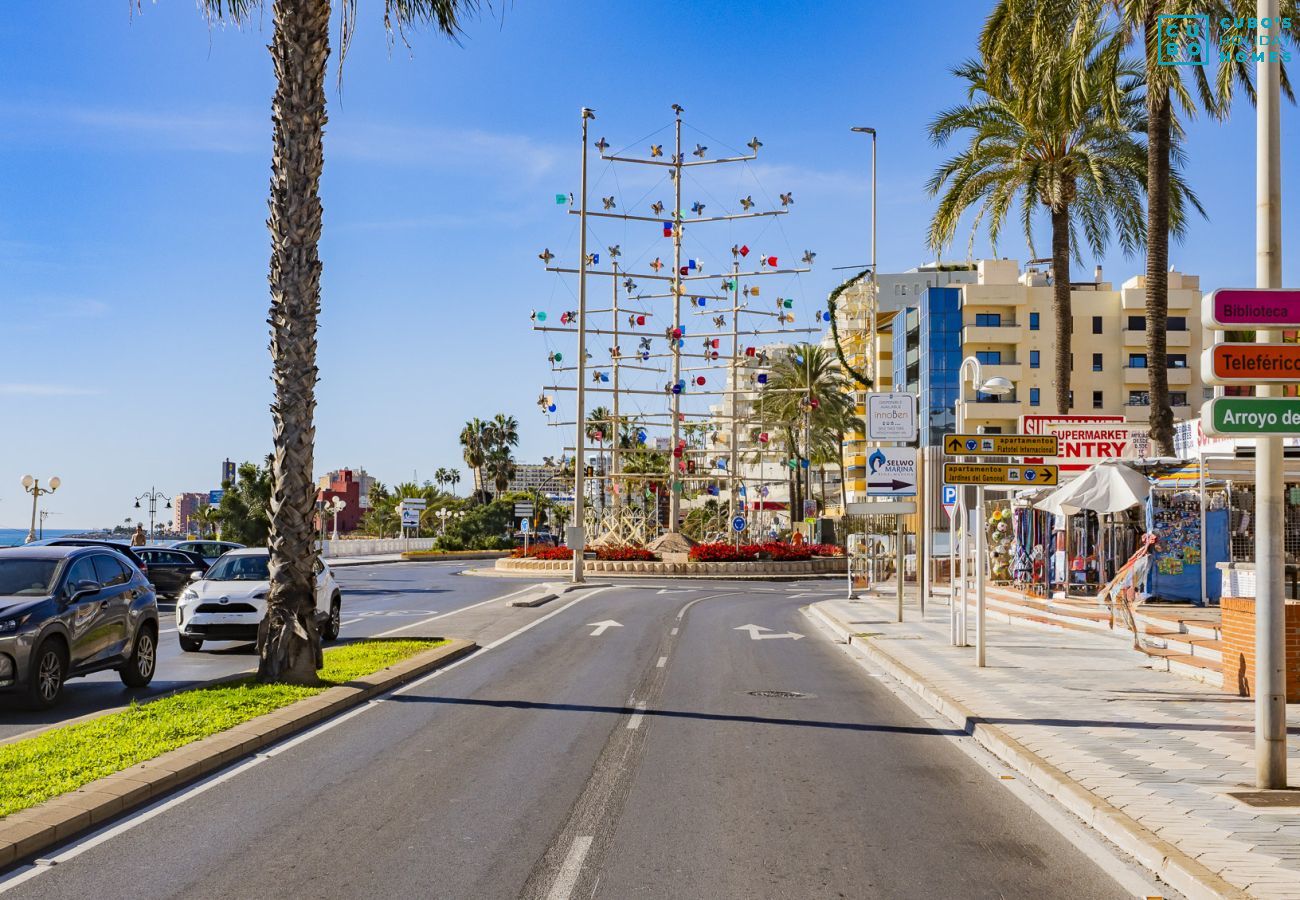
(543, 552)
(780, 552)
(826, 549)
(626, 554)
(720, 553)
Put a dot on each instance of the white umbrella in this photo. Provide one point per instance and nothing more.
(1107, 487)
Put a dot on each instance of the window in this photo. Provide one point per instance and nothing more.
(1137, 323)
(981, 397)
(1033, 321)
(1033, 396)
(989, 357)
(1096, 324)
(1177, 398)
(1139, 398)
(1176, 323)
(988, 320)
(1033, 359)
(110, 571)
(1177, 360)
(1096, 362)
(1137, 360)
(82, 570)
(1097, 400)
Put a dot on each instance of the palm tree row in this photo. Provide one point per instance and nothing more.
(486, 447)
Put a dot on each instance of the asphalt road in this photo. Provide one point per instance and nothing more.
(676, 753)
(376, 598)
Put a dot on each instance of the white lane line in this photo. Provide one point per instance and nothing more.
(673, 632)
(94, 840)
(637, 716)
(660, 664)
(393, 631)
(567, 878)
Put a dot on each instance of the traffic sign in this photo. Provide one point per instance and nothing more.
(891, 416)
(1000, 444)
(891, 472)
(523, 510)
(999, 474)
(1249, 416)
(739, 523)
(525, 526)
(410, 517)
(949, 499)
(1251, 308)
(214, 497)
(412, 503)
(1251, 363)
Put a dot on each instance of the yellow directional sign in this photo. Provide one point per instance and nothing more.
(1000, 444)
(999, 474)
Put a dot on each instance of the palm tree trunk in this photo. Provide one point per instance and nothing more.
(1061, 303)
(1159, 116)
(287, 641)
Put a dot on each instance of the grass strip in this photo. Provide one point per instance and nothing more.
(64, 759)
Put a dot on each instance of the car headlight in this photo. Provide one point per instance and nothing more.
(9, 626)
(189, 595)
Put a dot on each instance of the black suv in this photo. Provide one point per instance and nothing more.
(69, 611)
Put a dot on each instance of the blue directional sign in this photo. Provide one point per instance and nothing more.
(739, 524)
(972, 444)
(214, 497)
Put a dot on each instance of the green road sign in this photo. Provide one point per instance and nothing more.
(999, 474)
(1000, 444)
(1251, 416)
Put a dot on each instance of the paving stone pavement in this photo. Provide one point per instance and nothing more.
(1164, 749)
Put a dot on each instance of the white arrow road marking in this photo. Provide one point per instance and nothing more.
(602, 627)
(754, 633)
(675, 591)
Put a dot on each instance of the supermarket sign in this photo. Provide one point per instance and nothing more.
(1087, 440)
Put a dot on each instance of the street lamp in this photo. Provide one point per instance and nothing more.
(444, 514)
(997, 386)
(875, 283)
(153, 495)
(336, 505)
(33, 486)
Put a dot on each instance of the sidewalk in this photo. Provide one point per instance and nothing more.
(1145, 757)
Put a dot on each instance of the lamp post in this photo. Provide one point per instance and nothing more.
(153, 495)
(997, 386)
(335, 505)
(580, 447)
(443, 515)
(33, 486)
(875, 374)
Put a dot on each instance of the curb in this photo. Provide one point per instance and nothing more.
(1162, 857)
(552, 590)
(629, 576)
(453, 556)
(67, 815)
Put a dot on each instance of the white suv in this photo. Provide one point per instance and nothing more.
(229, 602)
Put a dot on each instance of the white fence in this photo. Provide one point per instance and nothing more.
(373, 547)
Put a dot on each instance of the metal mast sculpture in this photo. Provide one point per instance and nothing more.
(679, 284)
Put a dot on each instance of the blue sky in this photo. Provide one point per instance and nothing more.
(134, 156)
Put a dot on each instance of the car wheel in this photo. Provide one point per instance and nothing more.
(334, 624)
(139, 668)
(191, 645)
(49, 669)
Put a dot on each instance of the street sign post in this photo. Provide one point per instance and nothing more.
(1000, 444)
(999, 474)
(891, 416)
(1251, 363)
(1251, 416)
(739, 524)
(1232, 309)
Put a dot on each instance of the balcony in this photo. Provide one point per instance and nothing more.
(1007, 407)
(1006, 333)
(1009, 370)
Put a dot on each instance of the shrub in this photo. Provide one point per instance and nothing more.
(542, 551)
(779, 551)
(629, 553)
(826, 549)
(720, 553)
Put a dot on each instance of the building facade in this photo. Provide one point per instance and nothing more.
(347, 486)
(359, 477)
(184, 506)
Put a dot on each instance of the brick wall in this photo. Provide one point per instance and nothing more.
(1239, 647)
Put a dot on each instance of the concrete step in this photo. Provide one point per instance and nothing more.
(1209, 649)
(1154, 617)
(1203, 670)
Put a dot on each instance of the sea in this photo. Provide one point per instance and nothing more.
(13, 537)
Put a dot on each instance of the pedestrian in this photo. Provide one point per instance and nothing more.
(138, 537)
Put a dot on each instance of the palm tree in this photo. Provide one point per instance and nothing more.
(505, 430)
(500, 468)
(453, 479)
(288, 643)
(475, 442)
(807, 397)
(599, 429)
(1009, 41)
(208, 517)
(1047, 138)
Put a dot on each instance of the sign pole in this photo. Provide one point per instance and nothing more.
(1270, 610)
(898, 564)
(580, 442)
(979, 576)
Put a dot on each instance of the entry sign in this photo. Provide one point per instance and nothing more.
(1250, 416)
(891, 416)
(1251, 363)
(1229, 309)
(739, 523)
(998, 474)
(1001, 444)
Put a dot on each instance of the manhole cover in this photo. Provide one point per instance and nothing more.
(1287, 799)
(786, 694)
